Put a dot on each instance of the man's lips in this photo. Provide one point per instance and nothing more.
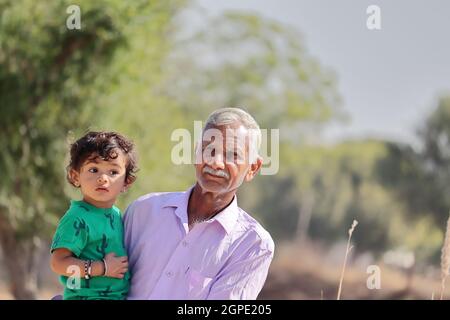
(213, 175)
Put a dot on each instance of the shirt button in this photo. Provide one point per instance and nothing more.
(169, 274)
(184, 243)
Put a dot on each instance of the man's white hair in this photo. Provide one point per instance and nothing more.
(226, 116)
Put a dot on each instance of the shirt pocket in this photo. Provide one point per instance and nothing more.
(199, 285)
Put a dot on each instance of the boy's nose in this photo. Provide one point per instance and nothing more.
(101, 179)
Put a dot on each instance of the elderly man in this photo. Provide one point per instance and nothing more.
(199, 244)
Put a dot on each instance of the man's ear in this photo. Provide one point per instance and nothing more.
(74, 177)
(254, 168)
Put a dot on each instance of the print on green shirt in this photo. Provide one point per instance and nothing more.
(91, 233)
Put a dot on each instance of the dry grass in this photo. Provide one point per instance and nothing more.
(4, 295)
(445, 258)
(305, 273)
(347, 251)
(43, 294)
(52, 287)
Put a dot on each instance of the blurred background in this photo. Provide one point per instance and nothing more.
(364, 120)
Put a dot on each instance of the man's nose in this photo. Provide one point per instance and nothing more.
(217, 162)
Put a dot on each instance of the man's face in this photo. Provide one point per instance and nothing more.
(224, 156)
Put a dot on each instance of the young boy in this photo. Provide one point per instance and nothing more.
(87, 249)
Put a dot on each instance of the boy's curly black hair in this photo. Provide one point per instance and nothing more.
(103, 145)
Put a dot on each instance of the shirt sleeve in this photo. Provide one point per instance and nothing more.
(72, 234)
(243, 278)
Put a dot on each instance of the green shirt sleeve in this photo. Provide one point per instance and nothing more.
(72, 233)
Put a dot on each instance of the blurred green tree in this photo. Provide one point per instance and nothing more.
(49, 79)
(242, 59)
(435, 156)
(419, 177)
(321, 189)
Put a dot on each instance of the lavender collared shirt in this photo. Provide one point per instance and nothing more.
(227, 257)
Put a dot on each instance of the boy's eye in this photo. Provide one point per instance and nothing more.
(114, 172)
(93, 170)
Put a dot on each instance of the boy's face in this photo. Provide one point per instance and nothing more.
(101, 181)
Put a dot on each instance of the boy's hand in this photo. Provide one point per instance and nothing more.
(116, 266)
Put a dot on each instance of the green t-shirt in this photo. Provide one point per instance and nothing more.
(91, 233)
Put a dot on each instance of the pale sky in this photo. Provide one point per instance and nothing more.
(390, 78)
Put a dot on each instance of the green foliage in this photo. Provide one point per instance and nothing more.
(52, 82)
(241, 59)
(419, 178)
(50, 77)
(435, 156)
(45, 75)
(342, 183)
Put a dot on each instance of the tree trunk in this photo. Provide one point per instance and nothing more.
(15, 259)
(304, 218)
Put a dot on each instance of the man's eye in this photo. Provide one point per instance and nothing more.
(210, 150)
(234, 155)
(93, 170)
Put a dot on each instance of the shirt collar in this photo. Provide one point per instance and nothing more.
(227, 218)
(89, 207)
(179, 200)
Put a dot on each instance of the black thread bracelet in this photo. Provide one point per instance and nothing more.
(87, 269)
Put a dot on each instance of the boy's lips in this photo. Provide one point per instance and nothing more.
(102, 189)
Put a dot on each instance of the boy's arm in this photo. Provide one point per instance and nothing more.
(62, 259)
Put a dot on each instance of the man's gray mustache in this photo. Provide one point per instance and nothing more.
(219, 173)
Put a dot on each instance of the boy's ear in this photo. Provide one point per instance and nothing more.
(127, 184)
(74, 177)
